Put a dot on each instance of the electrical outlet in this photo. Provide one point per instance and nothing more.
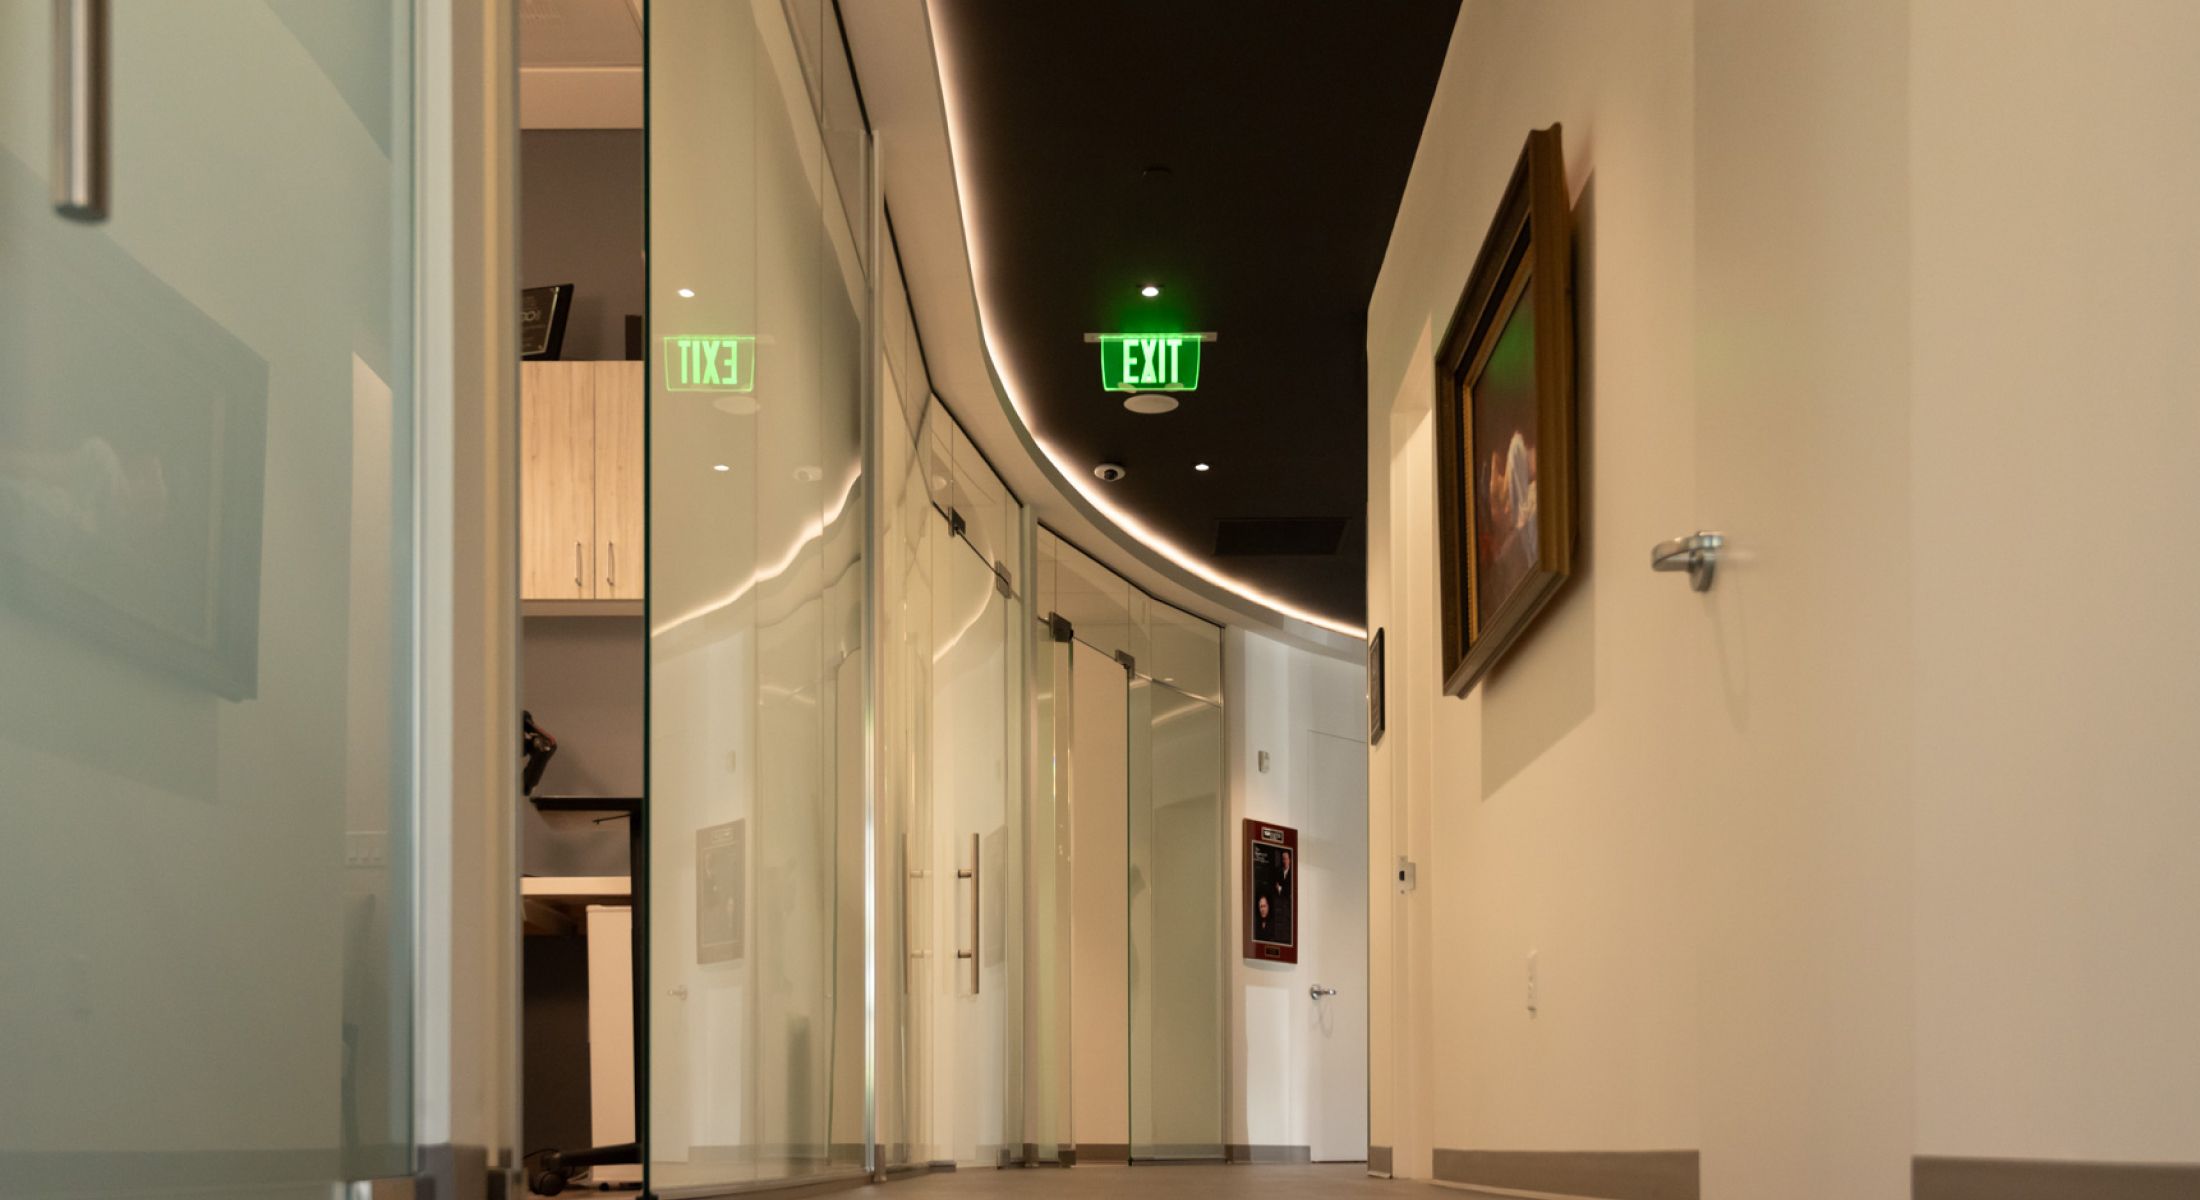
(1535, 984)
(366, 848)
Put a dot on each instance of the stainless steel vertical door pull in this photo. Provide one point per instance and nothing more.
(80, 109)
(977, 917)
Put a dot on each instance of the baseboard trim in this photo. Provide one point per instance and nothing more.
(1242, 1152)
(1102, 1152)
(1945, 1178)
(451, 1172)
(1378, 1161)
(1587, 1174)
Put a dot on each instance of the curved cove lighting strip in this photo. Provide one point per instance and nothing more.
(1123, 520)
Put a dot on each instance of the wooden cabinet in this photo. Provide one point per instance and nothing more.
(581, 472)
(621, 460)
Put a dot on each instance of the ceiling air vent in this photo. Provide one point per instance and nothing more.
(1244, 536)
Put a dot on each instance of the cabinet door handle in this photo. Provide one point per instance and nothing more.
(580, 575)
(80, 109)
(612, 576)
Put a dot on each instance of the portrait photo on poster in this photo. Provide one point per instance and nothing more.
(1271, 892)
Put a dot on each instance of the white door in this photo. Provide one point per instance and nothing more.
(1334, 883)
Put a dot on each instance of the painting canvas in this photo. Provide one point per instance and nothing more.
(1505, 424)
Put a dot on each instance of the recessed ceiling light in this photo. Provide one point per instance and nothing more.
(1200, 467)
(720, 467)
(1150, 403)
(687, 293)
(1150, 290)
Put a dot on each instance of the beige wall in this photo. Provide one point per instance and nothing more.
(2057, 520)
(1528, 809)
(1099, 1070)
(1883, 847)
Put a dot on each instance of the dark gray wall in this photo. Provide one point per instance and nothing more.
(582, 678)
(555, 1101)
(581, 223)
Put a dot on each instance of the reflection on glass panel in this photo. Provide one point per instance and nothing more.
(1177, 923)
(1186, 653)
(206, 567)
(757, 599)
(982, 500)
(1045, 555)
(1046, 1121)
(1096, 600)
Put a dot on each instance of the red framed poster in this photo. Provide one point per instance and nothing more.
(1271, 892)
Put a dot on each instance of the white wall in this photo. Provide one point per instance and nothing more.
(1884, 847)
(1286, 1078)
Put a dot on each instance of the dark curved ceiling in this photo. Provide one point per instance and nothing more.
(1247, 156)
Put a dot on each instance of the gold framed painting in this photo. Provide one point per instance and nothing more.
(1507, 519)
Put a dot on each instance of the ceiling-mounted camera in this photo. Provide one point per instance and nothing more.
(1109, 472)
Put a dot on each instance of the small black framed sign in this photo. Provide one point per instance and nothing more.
(1378, 715)
(1271, 892)
(542, 315)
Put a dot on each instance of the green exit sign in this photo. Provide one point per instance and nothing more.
(710, 363)
(1150, 362)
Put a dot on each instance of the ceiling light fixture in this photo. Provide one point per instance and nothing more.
(687, 293)
(1150, 291)
(1150, 403)
(1138, 530)
(1200, 467)
(720, 467)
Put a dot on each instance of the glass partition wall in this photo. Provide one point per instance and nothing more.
(876, 894)
(759, 300)
(208, 568)
(1126, 1025)
(833, 915)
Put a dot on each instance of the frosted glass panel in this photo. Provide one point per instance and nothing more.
(206, 566)
(1177, 954)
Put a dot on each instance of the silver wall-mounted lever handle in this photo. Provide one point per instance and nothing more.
(1318, 991)
(80, 109)
(1697, 554)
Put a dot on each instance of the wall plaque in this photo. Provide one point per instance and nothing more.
(1271, 892)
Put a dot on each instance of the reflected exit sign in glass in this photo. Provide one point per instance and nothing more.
(710, 363)
(1150, 362)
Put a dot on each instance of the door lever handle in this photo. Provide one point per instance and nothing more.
(1318, 991)
(1697, 554)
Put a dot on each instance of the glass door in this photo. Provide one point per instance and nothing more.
(977, 847)
(206, 568)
